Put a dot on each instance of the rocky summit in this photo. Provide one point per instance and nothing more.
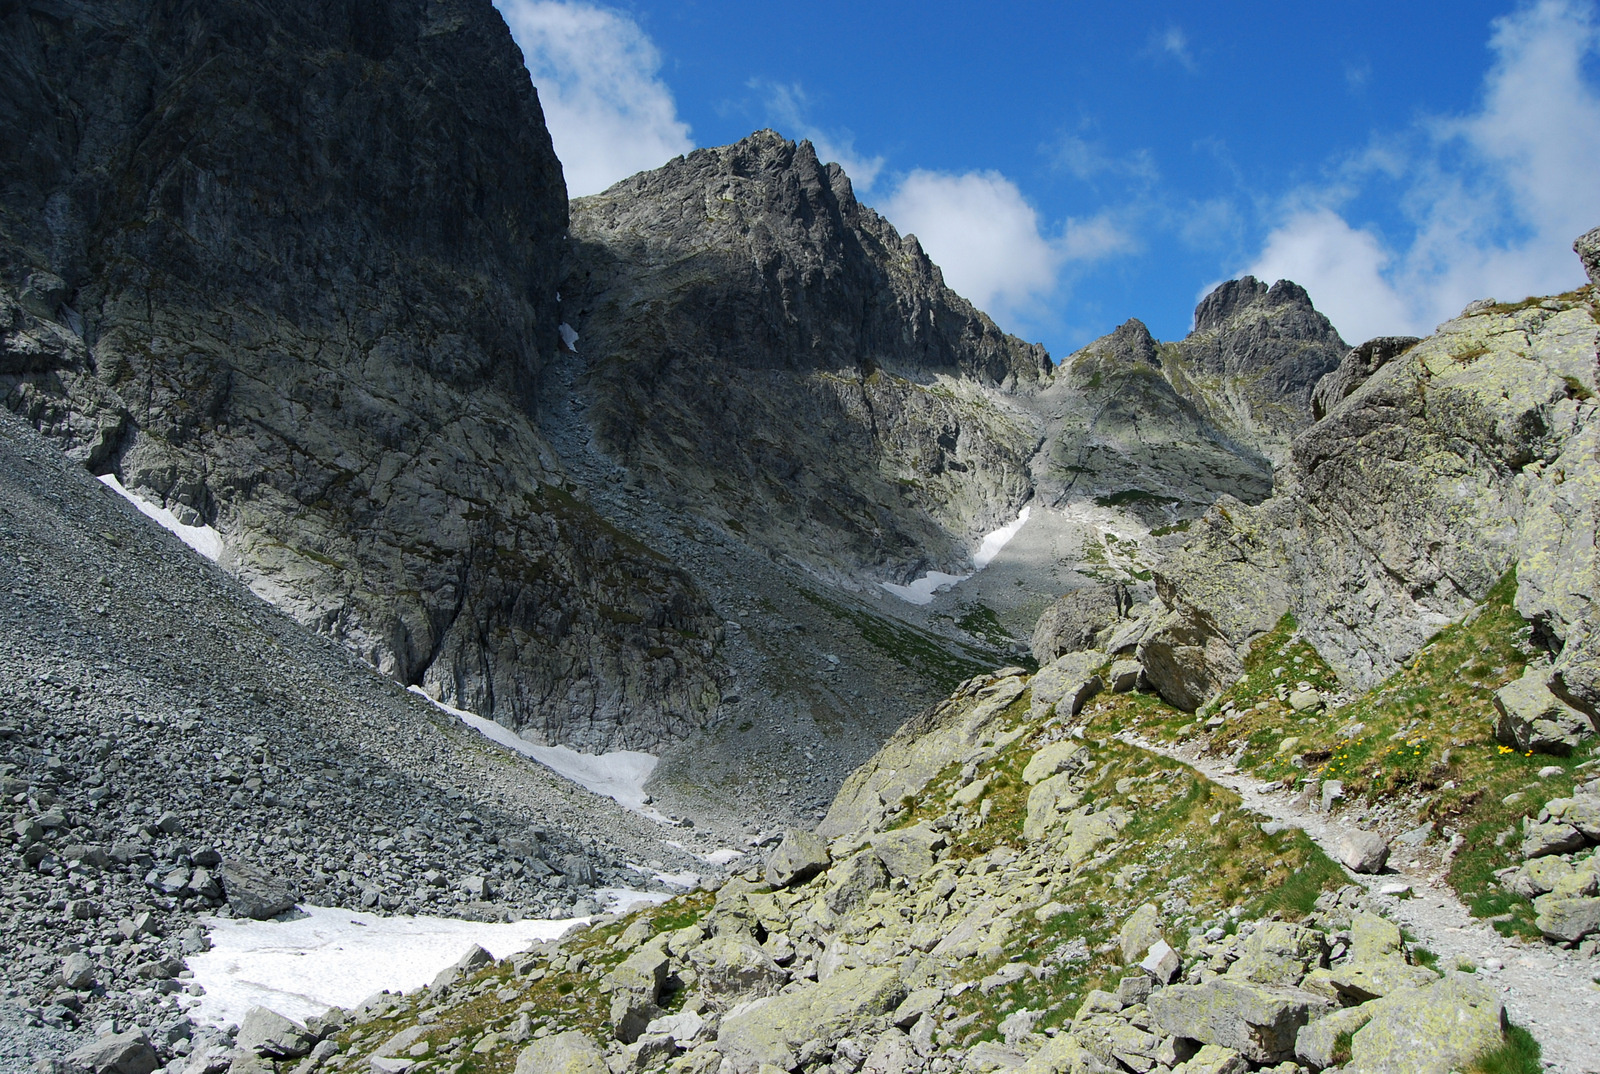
(1213, 705)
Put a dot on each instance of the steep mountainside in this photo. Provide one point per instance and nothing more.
(771, 351)
(291, 271)
(1251, 362)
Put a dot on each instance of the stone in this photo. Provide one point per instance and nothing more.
(1332, 791)
(1161, 962)
(1582, 812)
(1066, 683)
(473, 960)
(1431, 1030)
(570, 1052)
(272, 1036)
(685, 1027)
(1305, 700)
(773, 1030)
(798, 857)
(1075, 620)
(1363, 852)
(908, 852)
(1047, 803)
(850, 885)
(918, 1003)
(1279, 953)
(256, 893)
(77, 971)
(1567, 920)
(1212, 1059)
(1053, 759)
(1257, 1021)
(1534, 719)
(117, 1053)
(1587, 247)
(732, 970)
(1540, 838)
(1316, 1041)
(1123, 676)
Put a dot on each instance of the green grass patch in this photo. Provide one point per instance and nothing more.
(944, 662)
(1520, 1054)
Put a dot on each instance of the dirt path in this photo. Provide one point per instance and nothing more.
(1548, 991)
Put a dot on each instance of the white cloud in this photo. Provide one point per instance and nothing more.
(788, 106)
(1493, 199)
(609, 113)
(1175, 43)
(983, 234)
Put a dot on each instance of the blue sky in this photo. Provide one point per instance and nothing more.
(1073, 165)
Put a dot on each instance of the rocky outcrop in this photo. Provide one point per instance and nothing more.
(1354, 369)
(763, 346)
(1117, 431)
(1253, 360)
(292, 273)
(1451, 463)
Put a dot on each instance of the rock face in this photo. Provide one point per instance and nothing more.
(1117, 431)
(765, 347)
(1253, 360)
(1452, 462)
(308, 301)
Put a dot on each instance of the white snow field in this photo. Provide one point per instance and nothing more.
(922, 590)
(337, 958)
(619, 775)
(203, 539)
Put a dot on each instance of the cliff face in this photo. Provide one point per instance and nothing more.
(772, 351)
(1251, 362)
(291, 270)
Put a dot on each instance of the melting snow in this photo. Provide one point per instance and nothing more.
(203, 539)
(620, 775)
(332, 957)
(569, 336)
(923, 589)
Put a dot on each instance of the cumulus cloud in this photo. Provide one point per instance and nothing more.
(1174, 43)
(789, 108)
(980, 230)
(1492, 201)
(609, 113)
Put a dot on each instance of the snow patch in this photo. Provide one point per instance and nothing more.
(922, 590)
(569, 336)
(724, 856)
(203, 539)
(619, 775)
(331, 957)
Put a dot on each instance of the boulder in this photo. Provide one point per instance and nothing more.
(773, 1031)
(798, 857)
(256, 893)
(1582, 812)
(1540, 838)
(1280, 953)
(1533, 718)
(1431, 1030)
(1256, 1021)
(850, 884)
(1077, 619)
(1211, 1059)
(1316, 1041)
(1161, 962)
(1363, 852)
(733, 970)
(1067, 682)
(1047, 803)
(908, 852)
(1587, 247)
(1054, 758)
(77, 971)
(1567, 920)
(1140, 932)
(117, 1053)
(272, 1036)
(571, 1052)
(474, 959)
(1123, 676)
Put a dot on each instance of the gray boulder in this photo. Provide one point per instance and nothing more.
(908, 852)
(1540, 838)
(1067, 682)
(1316, 1042)
(1431, 1030)
(118, 1053)
(1256, 1021)
(1363, 852)
(474, 959)
(77, 971)
(1533, 718)
(256, 893)
(1567, 920)
(773, 1031)
(1358, 364)
(1077, 620)
(732, 970)
(849, 887)
(1587, 247)
(272, 1036)
(571, 1052)
(798, 857)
